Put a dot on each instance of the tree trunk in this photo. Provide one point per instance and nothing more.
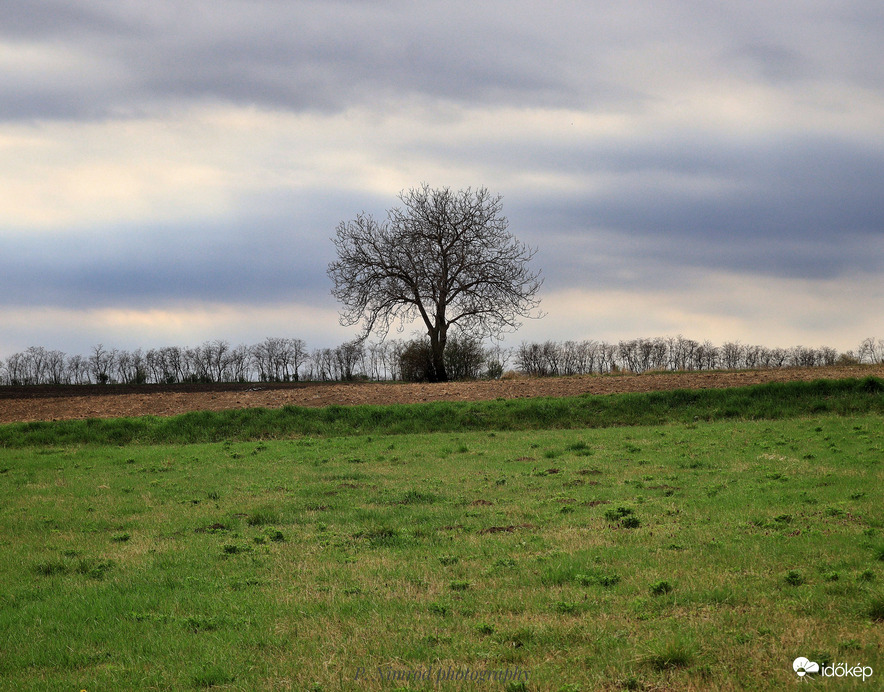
(437, 353)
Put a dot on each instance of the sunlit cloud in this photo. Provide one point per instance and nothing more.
(726, 308)
(77, 331)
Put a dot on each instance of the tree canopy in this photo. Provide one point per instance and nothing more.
(444, 257)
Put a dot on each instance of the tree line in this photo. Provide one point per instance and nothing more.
(289, 360)
(678, 353)
(272, 360)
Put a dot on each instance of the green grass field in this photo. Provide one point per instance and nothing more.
(700, 552)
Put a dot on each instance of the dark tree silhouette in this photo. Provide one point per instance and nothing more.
(444, 257)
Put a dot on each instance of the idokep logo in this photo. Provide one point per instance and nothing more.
(803, 666)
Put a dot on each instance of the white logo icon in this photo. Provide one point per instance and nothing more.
(802, 666)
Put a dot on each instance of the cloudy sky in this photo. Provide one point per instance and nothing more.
(172, 171)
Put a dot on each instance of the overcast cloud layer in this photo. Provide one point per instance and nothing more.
(172, 171)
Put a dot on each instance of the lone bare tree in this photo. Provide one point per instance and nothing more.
(443, 256)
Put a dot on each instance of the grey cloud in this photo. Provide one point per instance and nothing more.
(297, 55)
(160, 269)
(329, 55)
(275, 250)
(774, 63)
(597, 259)
(42, 19)
(798, 190)
(800, 207)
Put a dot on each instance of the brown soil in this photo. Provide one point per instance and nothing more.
(58, 403)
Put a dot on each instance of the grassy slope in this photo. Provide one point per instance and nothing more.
(698, 555)
(766, 401)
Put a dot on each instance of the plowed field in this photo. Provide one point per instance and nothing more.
(67, 402)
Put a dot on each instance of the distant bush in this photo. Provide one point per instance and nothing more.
(465, 358)
(416, 361)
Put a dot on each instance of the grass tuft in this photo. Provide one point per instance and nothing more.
(794, 577)
(263, 517)
(51, 567)
(212, 677)
(661, 587)
(673, 652)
